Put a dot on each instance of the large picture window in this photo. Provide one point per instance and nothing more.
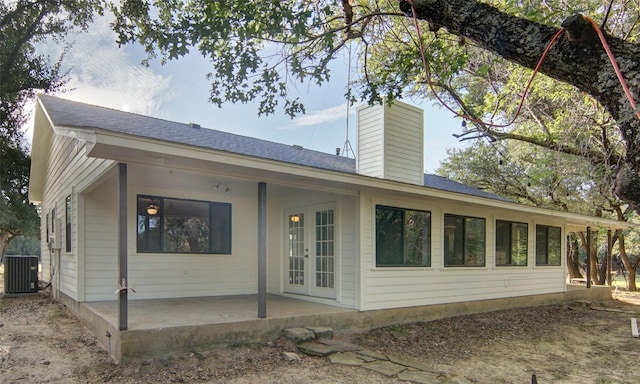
(512, 243)
(464, 241)
(403, 237)
(166, 225)
(548, 245)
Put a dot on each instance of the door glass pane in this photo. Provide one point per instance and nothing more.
(296, 249)
(324, 249)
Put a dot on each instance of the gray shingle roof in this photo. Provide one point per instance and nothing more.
(73, 114)
(442, 183)
(68, 113)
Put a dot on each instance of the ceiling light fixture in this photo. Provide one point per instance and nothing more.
(152, 209)
(222, 184)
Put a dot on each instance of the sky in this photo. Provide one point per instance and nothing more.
(102, 74)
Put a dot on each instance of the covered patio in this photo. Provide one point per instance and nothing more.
(190, 311)
(164, 326)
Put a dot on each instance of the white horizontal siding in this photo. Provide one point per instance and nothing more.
(66, 170)
(404, 140)
(162, 275)
(402, 287)
(370, 156)
(101, 244)
(348, 253)
(390, 142)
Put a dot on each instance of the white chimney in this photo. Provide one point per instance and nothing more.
(391, 142)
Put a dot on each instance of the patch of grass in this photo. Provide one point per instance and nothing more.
(601, 348)
(606, 380)
(396, 329)
(199, 356)
(557, 375)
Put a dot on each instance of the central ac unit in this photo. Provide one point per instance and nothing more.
(20, 275)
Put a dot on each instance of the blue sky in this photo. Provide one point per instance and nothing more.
(103, 74)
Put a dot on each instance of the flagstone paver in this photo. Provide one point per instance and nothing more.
(346, 358)
(412, 364)
(367, 359)
(299, 335)
(318, 341)
(420, 377)
(373, 354)
(455, 379)
(387, 368)
(343, 345)
(317, 349)
(322, 332)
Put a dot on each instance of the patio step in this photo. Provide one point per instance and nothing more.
(302, 335)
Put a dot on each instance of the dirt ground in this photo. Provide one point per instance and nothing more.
(41, 342)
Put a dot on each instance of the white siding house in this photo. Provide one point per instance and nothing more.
(174, 211)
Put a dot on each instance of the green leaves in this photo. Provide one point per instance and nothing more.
(23, 72)
(256, 48)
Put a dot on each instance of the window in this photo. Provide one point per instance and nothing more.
(512, 243)
(548, 245)
(403, 237)
(464, 241)
(47, 224)
(167, 225)
(67, 233)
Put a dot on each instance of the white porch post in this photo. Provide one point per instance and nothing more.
(262, 250)
(122, 247)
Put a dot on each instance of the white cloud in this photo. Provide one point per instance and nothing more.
(103, 74)
(323, 116)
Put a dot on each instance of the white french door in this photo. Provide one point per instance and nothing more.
(310, 259)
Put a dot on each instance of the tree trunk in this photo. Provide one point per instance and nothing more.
(630, 267)
(578, 58)
(602, 272)
(595, 278)
(573, 257)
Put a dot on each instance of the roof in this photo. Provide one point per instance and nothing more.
(444, 184)
(71, 114)
(68, 113)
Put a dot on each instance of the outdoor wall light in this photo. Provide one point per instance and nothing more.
(222, 184)
(152, 209)
(295, 218)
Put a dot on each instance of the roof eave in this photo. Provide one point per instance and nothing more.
(130, 148)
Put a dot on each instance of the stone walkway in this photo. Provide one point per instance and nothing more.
(311, 343)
